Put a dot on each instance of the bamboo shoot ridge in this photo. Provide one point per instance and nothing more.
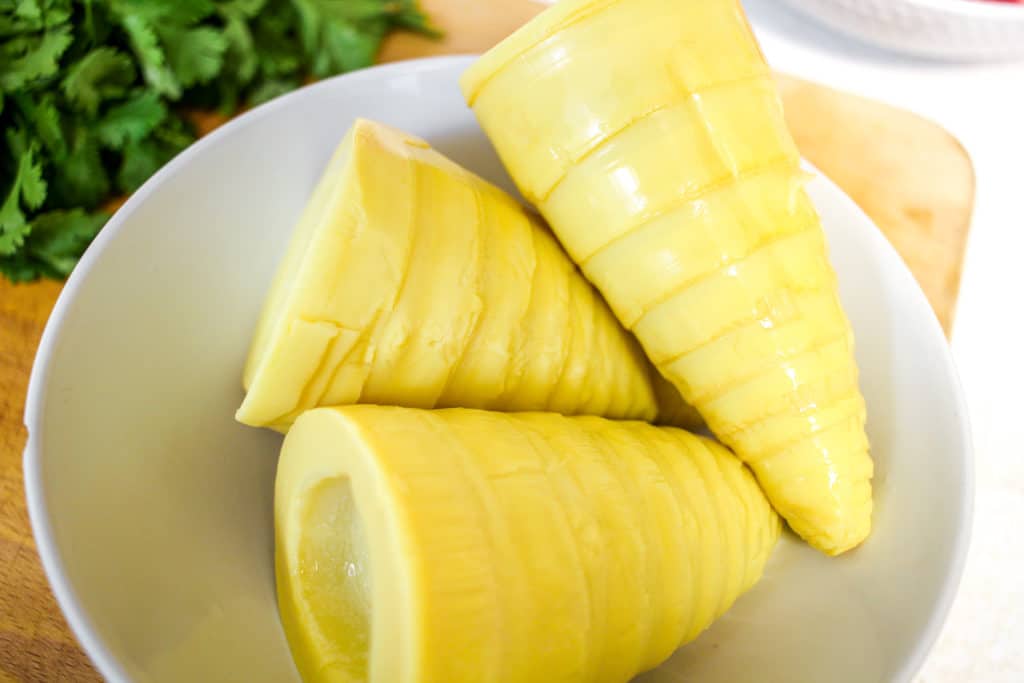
(462, 545)
(654, 143)
(411, 281)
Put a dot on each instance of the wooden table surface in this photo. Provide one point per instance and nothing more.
(35, 644)
(908, 174)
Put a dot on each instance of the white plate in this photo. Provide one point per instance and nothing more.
(152, 507)
(943, 29)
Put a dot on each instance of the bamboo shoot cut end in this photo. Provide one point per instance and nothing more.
(334, 562)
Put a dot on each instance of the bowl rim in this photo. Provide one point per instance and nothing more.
(978, 8)
(82, 625)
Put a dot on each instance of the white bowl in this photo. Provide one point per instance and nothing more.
(152, 507)
(944, 29)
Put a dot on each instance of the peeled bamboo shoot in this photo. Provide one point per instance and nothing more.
(649, 133)
(410, 281)
(465, 546)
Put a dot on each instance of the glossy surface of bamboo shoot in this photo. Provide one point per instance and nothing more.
(650, 135)
(465, 546)
(410, 281)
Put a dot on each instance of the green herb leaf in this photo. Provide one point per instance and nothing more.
(29, 189)
(140, 161)
(28, 9)
(38, 61)
(58, 238)
(240, 55)
(130, 121)
(349, 47)
(103, 73)
(33, 187)
(81, 179)
(93, 95)
(43, 118)
(268, 90)
(152, 12)
(151, 56)
(194, 55)
(18, 267)
(244, 9)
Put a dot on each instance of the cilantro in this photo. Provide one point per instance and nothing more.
(141, 158)
(44, 118)
(131, 120)
(80, 179)
(27, 191)
(104, 73)
(29, 59)
(195, 55)
(58, 238)
(94, 96)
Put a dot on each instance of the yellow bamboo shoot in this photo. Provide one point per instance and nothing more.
(410, 281)
(462, 546)
(649, 133)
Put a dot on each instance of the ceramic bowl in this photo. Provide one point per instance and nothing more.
(152, 507)
(945, 29)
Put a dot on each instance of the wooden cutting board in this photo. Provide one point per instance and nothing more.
(907, 173)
